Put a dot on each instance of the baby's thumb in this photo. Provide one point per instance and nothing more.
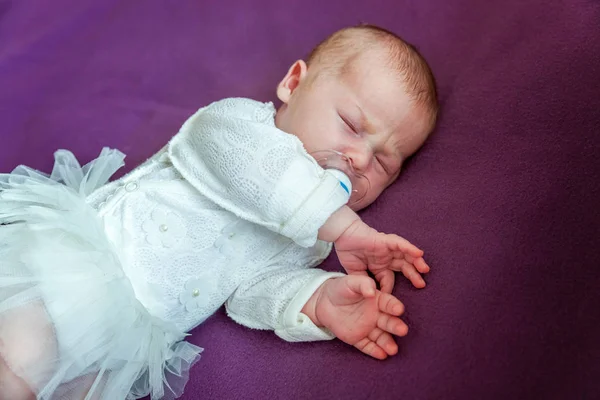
(362, 285)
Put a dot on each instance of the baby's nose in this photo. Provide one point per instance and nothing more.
(361, 159)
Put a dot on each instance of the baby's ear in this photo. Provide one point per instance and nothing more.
(291, 80)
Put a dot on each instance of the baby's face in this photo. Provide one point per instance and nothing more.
(364, 113)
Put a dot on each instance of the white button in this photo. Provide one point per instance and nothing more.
(131, 186)
(101, 205)
(110, 196)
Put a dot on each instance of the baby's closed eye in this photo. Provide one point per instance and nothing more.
(349, 123)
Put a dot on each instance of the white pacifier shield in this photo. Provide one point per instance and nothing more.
(343, 178)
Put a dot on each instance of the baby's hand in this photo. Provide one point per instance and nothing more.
(361, 248)
(358, 314)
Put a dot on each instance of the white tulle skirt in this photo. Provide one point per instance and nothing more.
(70, 324)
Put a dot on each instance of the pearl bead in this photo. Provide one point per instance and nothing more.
(196, 292)
(131, 186)
(163, 228)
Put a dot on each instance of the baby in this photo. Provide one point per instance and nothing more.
(100, 281)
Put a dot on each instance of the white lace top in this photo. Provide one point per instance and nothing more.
(227, 212)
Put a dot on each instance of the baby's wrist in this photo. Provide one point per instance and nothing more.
(311, 307)
(337, 224)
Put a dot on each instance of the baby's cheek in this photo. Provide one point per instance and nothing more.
(365, 202)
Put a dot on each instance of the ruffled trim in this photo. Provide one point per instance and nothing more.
(137, 354)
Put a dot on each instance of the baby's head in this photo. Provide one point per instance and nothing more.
(363, 92)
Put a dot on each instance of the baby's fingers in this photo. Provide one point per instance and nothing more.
(405, 246)
(410, 272)
(393, 325)
(371, 348)
(386, 280)
(419, 264)
(384, 340)
(361, 285)
(389, 304)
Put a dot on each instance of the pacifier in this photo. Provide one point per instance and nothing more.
(339, 165)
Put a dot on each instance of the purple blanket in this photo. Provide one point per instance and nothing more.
(504, 198)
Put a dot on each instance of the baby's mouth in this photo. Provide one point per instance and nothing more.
(354, 183)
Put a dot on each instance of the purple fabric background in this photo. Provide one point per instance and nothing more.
(504, 198)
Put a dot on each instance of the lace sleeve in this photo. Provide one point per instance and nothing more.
(233, 154)
(273, 299)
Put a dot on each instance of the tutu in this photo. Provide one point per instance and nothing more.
(70, 322)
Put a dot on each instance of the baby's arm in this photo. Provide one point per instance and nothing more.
(310, 304)
(233, 154)
(360, 248)
(273, 299)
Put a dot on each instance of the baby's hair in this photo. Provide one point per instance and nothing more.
(335, 54)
